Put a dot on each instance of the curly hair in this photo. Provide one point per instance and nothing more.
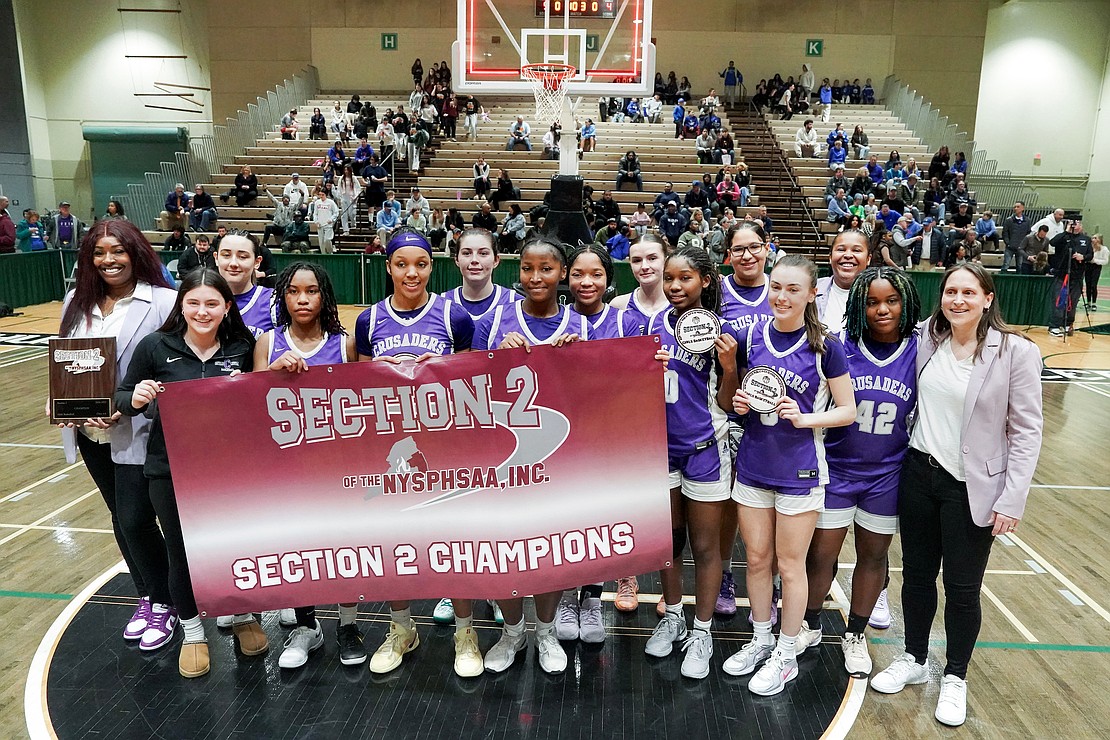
(855, 312)
(329, 307)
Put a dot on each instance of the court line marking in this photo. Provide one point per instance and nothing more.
(1064, 580)
(40, 481)
(35, 711)
(1093, 389)
(1071, 488)
(991, 645)
(845, 718)
(50, 528)
(898, 569)
(26, 359)
(40, 520)
(35, 447)
(35, 595)
(1075, 600)
(1009, 615)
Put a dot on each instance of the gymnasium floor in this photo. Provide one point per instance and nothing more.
(1040, 668)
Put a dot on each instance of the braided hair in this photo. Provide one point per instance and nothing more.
(855, 312)
(704, 265)
(329, 307)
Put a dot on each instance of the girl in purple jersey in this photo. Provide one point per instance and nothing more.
(646, 258)
(477, 256)
(699, 458)
(237, 259)
(538, 319)
(308, 332)
(590, 276)
(865, 458)
(414, 324)
(743, 303)
(780, 464)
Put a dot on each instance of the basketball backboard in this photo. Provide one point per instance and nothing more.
(607, 41)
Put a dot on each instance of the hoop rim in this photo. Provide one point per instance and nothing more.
(548, 70)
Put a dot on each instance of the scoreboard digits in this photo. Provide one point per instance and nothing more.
(578, 8)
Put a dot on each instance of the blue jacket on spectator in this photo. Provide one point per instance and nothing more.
(388, 218)
(825, 93)
(679, 114)
(890, 219)
(985, 227)
(672, 226)
(171, 201)
(618, 246)
(875, 171)
(837, 156)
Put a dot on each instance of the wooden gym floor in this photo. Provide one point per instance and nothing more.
(1040, 668)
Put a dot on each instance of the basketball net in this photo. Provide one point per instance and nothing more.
(549, 87)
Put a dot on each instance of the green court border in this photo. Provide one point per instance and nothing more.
(1032, 646)
(36, 595)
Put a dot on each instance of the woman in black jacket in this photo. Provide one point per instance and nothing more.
(317, 126)
(245, 190)
(203, 337)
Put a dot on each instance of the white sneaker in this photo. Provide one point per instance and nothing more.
(468, 658)
(300, 643)
(699, 651)
(553, 659)
(880, 615)
(904, 671)
(497, 615)
(444, 613)
(670, 629)
(591, 626)
(286, 618)
(749, 657)
(225, 621)
(807, 638)
(566, 617)
(857, 659)
(774, 675)
(952, 703)
(503, 653)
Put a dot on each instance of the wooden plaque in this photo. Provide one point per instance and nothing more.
(82, 378)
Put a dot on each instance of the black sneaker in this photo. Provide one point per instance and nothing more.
(351, 650)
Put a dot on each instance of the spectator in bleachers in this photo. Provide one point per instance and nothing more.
(986, 230)
(417, 71)
(877, 174)
(551, 140)
(911, 168)
(484, 219)
(765, 219)
(324, 213)
(861, 184)
(505, 190)
(337, 158)
(339, 122)
(838, 155)
(289, 125)
(1033, 251)
(670, 91)
(385, 133)
(1100, 255)
(938, 165)
(696, 197)
(449, 116)
(672, 223)
(933, 201)
(710, 102)
(437, 229)
(401, 124)
(870, 208)
(175, 212)
(703, 147)
(519, 131)
(603, 108)
(388, 217)
(838, 208)
(761, 96)
(679, 116)
(317, 126)
(659, 87)
(295, 237)
(959, 167)
(907, 239)
(960, 195)
(743, 181)
(196, 256)
(733, 79)
(861, 148)
(606, 229)
(282, 217)
(685, 89)
(888, 216)
(962, 222)
(417, 96)
(786, 103)
(633, 111)
(589, 136)
(1015, 228)
(1073, 250)
(690, 125)
(606, 208)
(628, 170)
(513, 230)
(354, 108)
(472, 110)
(417, 139)
(616, 110)
(837, 133)
(724, 149)
(481, 178)
(362, 155)
(908, 194)
(692, 235)
(856, 206)
(837, 182)
(202, 210)
(297, 192)
(893, 161)
(728, 193)
(375, 178)
(930, 249)
(620, 244)
(727, 220)
(367, 121)
(417, 200)
(663, 199)
(806, 143)
(347, 189)
(177, 241)
(824, 95)
(640, 220)
(806, 82)
(1055, 223)
(868, 94)
(114, 212)
(709, 187)
(894, 200)
(837, 91)
(245, 189)
(653, 108)
(967, 247)
(428, 116)
(416, 220)
(856, 93)
(894, 173)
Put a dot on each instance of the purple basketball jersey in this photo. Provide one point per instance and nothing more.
(742, 307)
(381, 331)
(773, 453)
(694, 420)
(884, 378)
(256, 308)
(641, 316)
(478, 309)
(491, 330)
(612, 323)
(330, 350)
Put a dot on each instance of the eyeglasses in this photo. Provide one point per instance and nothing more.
(752, 251)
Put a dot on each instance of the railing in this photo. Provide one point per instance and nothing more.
(208, 153)
(768, 141)
(996, 187)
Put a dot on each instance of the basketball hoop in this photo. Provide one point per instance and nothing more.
(549, 86)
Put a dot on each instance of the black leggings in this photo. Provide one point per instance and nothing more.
(98, 461)
(180, 584)
(942, 532)
(1091, 275)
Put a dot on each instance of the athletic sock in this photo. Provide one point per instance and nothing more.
(463, 623)
(544, 628)
(347, 614)
(786, 644)
(703, 626)
(592, 591)
(856, 623)
(813, 618)
(675, 609)
(402, 617)
(763, 633)
(194, 630)
(515, 630)
(242, 619)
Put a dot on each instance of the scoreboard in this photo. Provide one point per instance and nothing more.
(578, 8)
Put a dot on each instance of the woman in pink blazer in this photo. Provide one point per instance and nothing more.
(973, 450)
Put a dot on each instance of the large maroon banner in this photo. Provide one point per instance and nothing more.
(481, 475)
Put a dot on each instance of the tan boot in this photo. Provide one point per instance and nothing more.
(252, 640)
(193, 661)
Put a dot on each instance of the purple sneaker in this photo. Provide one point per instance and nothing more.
(726, 600)
(163, 622)
(136, 626)
(776, 596)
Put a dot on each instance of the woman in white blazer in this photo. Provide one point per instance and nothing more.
(121, 292)
(973, 449)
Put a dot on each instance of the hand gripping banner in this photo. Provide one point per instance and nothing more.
(480, 475)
